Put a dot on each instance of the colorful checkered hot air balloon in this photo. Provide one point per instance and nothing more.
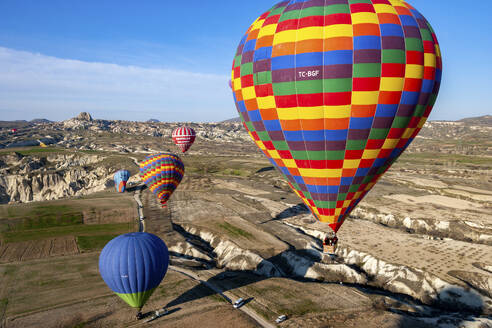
(184, 137)
(162, 173)
(333, 91)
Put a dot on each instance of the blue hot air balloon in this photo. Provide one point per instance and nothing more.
(133, 265)
(120, 179)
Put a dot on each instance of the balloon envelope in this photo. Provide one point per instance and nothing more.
(162, 173)
(133, 265)
(333, 91)
(184, 137)
(120, 179)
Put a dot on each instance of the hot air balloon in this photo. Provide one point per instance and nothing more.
(133, 265)
(120, 179)
(184, 137)
(333, 91)
(162, 173)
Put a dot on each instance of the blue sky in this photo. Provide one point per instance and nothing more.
(171, 60)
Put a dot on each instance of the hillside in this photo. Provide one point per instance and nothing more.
(416, 252)
(485, 120)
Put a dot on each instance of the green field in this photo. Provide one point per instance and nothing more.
(73, 230)
(93, 243)
(38, 221)
(441, 159)
(41, 217)
(32, 150)
(234, 231)
(221, 166)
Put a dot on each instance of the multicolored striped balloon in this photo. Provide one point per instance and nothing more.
(184, 137)
(162, 173)
(333, 91)
(120, 179)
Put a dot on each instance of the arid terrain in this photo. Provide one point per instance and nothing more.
(417, 251)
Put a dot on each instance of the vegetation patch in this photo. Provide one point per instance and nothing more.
(441, 159)
(220, 166)
(263, 312)
(8, 270)
(93, 243)
(235, 231)
(39, 150)
(236, 172)
(55, 211)
(73, 230)
(50, 216)
(303, 307)
(173, 288)
(3, 306)
(217, 298)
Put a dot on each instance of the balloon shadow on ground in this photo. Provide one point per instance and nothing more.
(292, 211)
(246, 301)
(134, 188)
(265, 169)
(222, 282)
(418, 315)
(230, 280)
(447, 312)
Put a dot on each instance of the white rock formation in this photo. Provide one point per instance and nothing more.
(57, 176)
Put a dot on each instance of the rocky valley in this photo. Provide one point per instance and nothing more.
(416, 252)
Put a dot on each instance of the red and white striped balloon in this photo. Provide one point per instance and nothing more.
(184, 137)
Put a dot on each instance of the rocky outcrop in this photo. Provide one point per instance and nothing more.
(300, 266)
(355, 267)
(433, 228)
(416, 283)
(186, 250)
(292, 264)
(51, 186)
(84, 116)
(84, 121)
(28, 179)
(479, 281)
(231, 257)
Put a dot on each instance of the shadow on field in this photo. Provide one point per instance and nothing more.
(442, 313)
(265, 169)
(450, 313)
(292, 211)
(134, 188)
(230, 280)
(223, 282)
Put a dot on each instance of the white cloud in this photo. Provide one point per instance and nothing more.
(35, 85)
